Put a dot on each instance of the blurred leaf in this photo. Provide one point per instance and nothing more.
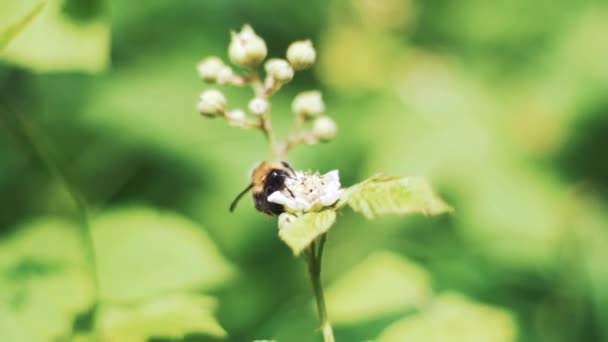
(384, 195)
(83, 338)
(354, 59)
(299, 233)
(142, 252)
(55, 43)
(43, 284)
(454, 318)
(46, 240)
(384, 283)
(9, 32)
(169, 317)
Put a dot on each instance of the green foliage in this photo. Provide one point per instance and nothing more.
(9, 32)
(43, 281)
(306, 228)
(143, 252)
(505, 111)
(167, 317)
(54, 42)
(384, 195)
(384, 283)
(453, 317)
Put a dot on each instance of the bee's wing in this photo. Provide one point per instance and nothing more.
(239, 196)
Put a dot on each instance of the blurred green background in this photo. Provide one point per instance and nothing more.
(502, 105)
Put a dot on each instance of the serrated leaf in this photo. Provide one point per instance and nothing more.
(452, 317)
(300, 232)
(8, 33)
(170, 317)
(385, 195)
(384, 283)
(56, 42)
(43, 281)
(143, 252)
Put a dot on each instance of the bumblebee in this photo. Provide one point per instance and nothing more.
(266, 178)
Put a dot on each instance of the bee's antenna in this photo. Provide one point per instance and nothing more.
(290, 169)
(238, 197)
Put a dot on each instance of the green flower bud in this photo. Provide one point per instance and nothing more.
(324, 128)
(211, 103)
(308, 103)
(246, 48)
(258, 106)
(301, 55)
(279, 69)
(209, 67)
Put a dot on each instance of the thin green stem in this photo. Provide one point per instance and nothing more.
(33, 137)
(314, 257)
(264, 124)
(80, 203)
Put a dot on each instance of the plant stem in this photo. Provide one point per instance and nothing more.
(314, 257)
(264, 124)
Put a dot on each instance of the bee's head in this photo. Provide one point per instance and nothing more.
(275, 178)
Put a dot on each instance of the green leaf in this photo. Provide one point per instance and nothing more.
(143, 252)
(167, 317)
(299, 232)
(384, 283)
(9, 32)
(43, 281)
(384, 195)
(452, 317)
(56, 42)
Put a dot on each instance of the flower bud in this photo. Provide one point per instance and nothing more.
(209, 67)
(258, 106)
(279, 69)
(246, 48)
(211, 103)
(308, 103)
(236, 117)
(301, 54)
(224, 75)
(324, 128)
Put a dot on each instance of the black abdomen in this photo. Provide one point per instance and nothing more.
(262, 204)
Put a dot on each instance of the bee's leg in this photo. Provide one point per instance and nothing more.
(291, 193)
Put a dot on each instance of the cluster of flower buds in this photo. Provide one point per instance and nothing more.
(247, 52)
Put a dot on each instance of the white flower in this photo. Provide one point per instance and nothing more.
(301, 54)
(247, 48)
(308, 192)
(308, 103)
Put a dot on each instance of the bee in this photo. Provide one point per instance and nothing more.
(266, 178)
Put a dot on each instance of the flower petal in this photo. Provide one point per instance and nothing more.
(332, 178)
(279, 198)
(330, 197)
